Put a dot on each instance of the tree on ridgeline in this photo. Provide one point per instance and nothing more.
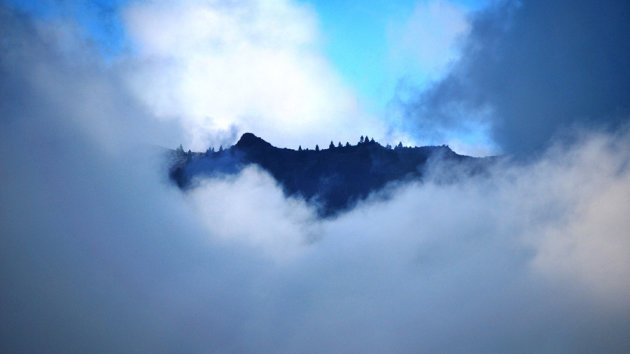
(331, 146)
(316, 147)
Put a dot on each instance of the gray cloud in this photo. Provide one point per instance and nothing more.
(531, 70)
(99, 253)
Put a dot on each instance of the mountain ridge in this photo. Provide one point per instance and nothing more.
(332, 179)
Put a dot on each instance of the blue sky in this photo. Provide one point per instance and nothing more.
(98, 18)
(356, 40)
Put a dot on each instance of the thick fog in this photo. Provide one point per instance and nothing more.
(99, 252)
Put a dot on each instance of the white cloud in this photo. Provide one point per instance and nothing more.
(590, 245)
(250, 209)
(253, 64)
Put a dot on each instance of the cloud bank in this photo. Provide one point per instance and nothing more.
(530, 70)
(99, 253)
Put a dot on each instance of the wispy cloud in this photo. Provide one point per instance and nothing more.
(427, 41)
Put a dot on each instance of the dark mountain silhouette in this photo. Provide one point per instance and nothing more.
(332, 179)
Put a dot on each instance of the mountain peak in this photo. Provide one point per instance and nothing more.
(249, 140)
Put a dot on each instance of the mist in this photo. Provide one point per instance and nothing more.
(100, 252)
